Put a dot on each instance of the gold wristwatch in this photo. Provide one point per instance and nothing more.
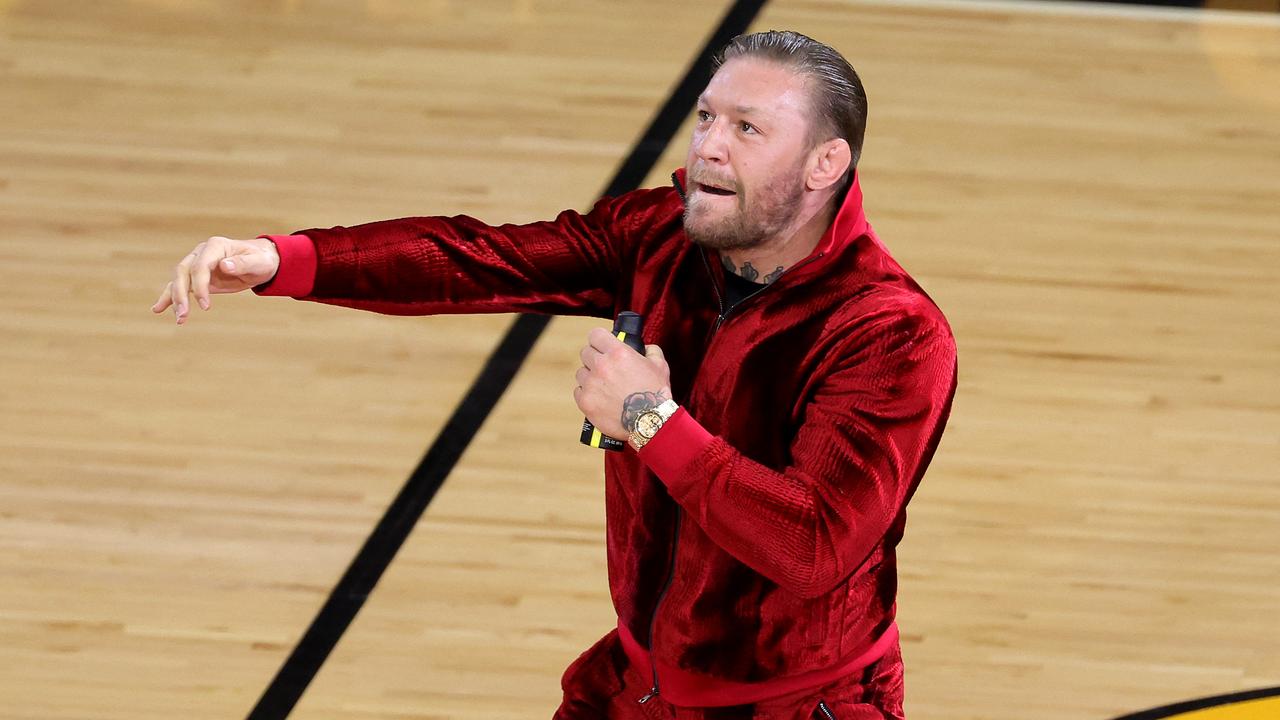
(651, 421)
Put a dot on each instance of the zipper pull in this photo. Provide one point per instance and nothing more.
(652, 694)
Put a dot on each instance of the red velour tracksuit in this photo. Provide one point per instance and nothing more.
(751, 543)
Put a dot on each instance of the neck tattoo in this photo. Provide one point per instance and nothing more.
(748, 271)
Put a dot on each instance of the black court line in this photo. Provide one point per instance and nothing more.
(348, 596)
(1202, 703)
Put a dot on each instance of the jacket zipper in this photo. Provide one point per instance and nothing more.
(671, 574)
(675, 544)
(724, 314)
(671, 569)
(721, 316)
(720, 311)
(826, 711)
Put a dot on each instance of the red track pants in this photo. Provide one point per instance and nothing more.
(601, 683)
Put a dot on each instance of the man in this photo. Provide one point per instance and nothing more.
(795, 387)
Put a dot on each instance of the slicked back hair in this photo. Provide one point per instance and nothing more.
(839, 101)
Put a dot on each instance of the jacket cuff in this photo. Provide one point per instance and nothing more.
(296, 275)
(673, 450)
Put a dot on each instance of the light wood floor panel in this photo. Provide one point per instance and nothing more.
(502, 584)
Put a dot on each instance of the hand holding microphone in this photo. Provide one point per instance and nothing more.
(615, 379)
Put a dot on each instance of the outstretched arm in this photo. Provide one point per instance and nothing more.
(575, 264)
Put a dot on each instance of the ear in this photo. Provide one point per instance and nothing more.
(829, 162)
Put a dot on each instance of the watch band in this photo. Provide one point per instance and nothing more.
(650, 422)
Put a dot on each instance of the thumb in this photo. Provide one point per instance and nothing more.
(237, 266)
(653, 352)
(249, 264)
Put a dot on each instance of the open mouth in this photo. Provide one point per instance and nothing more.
(713, 190)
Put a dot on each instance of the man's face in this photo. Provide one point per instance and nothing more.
(748, 156)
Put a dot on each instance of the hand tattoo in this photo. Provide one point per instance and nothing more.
(638, 404)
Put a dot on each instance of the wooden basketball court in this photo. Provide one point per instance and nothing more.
(1092, 195)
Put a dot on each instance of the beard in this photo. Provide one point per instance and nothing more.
(755, 219)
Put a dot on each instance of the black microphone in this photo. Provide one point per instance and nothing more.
(627, 329)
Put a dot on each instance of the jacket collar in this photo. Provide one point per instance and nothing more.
(849, 224)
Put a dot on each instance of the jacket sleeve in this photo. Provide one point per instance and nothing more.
(866, 436)
(428, 265)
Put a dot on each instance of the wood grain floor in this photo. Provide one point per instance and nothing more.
(1092, 198)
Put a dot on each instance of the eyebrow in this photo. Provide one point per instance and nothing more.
(740, 109)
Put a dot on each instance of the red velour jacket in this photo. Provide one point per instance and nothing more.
(751, 543)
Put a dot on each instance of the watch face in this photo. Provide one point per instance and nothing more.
(647, 425)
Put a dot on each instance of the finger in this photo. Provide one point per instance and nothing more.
(214, 250)
(588, 355)
(581, 376)
(177, 293)
(602, 340)
(181, 283)
(656, 356)
(164, 301)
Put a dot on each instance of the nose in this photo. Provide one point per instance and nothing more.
(709, 143)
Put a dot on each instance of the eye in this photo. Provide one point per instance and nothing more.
(747, 127)
(703, 116)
